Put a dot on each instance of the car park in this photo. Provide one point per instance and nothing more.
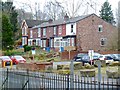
(84, 58)
(5, 59)
(18, 59)
(108, 58)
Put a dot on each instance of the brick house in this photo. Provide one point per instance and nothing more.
(25, 27)
(83, 32)
(94, 33)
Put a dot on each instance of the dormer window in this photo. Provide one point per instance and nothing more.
(100, 28)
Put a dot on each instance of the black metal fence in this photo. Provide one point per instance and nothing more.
(19, 79)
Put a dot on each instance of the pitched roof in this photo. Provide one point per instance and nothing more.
(32, 23)
(62, 21)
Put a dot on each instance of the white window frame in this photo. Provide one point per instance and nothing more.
(60, 29)
(39, 32)
(68, 41)
(44, 31)
(72, 41)
(55, 30)
(100, 28)
(44, 43)
(31, 34)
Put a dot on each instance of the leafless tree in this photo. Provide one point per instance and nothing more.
(54, 10)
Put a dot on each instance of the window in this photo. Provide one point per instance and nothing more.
(103, 41)
(25, 30)
(71, 28)
(60, 29)
(39, 32)
(44, 43)
(44, 31)
(68, 41)
(55, 30)
(24, 40)
(51, 42)
(100, 28)
(31, 34)
(72, 41)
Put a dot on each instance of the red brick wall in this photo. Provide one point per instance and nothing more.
(65, 54)
(88, 35)
(50, 32)
(33, 66)
(35, 33)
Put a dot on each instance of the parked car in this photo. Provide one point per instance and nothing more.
(5, 59)
(108, 58)
(116, 57)
(18, 59)
(96, 56)
(84, 58)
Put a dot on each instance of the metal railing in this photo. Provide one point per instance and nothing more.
(24, 79)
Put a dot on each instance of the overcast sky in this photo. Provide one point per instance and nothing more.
(19, 4)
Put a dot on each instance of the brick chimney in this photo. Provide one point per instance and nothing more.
(66, 17)
(50, 20)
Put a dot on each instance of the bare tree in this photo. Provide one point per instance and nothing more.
(54, 10)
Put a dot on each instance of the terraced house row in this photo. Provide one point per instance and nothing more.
(83, 32)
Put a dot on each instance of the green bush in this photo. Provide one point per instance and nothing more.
(59, 67)
(77, 65)
(10, 53)
(66, 67)
(27, 48)
(88, 66)
(64, 72)
(49, 69)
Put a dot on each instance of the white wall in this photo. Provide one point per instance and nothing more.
(68, 29)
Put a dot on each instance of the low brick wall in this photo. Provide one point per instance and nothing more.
(65, 54)
(34, 66)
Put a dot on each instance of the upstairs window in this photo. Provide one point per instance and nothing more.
(31, 34)
(103, 41)
(44, 31)
(100, 28)
(71, 28)
(55, 30)
(60, 29)
(39, 32)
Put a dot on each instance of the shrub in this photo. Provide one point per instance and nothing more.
(89, 73)
(64, 72)
(113, 74)
(114, 63)
(27, 48)
(88, 66)
(66, 67)
(59, 67)
(77, 65)
(49, 69)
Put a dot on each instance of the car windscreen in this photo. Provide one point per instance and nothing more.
(19, 57)
(81, 55)
(5, 58)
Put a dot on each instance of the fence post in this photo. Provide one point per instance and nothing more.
(28, 77)
(71, 75)
(7, 79)
(99, 74)
(67, 81)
